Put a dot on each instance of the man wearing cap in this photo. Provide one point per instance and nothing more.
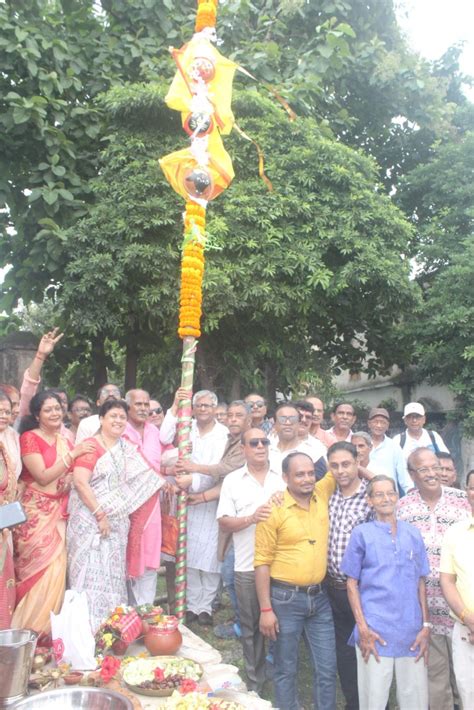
(415, 435)
(385, 453)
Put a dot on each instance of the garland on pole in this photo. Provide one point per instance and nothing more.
(202, 91)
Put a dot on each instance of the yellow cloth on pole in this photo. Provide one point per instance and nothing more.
(199, 57)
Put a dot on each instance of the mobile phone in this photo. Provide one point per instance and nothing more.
(11, 514)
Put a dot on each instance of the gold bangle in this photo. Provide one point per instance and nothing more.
(204, 497)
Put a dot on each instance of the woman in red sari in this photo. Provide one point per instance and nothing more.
(40, 549)
(7, 495)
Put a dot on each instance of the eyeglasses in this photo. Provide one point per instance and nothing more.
(259, 403)
(157, 410)
(255, 442)
(426, 469)
(111, 392)
(5, 412)
(381, 496)
(203, 406)
(81, 410)
(289, 419)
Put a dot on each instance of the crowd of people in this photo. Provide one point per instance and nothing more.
(360, 543)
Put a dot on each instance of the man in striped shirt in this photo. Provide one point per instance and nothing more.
(348, 507)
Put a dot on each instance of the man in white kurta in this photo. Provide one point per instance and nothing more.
(208, 439)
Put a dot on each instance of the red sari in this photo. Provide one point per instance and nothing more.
(7, 573)
(40, 549)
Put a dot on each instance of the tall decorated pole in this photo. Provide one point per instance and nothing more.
(202, 91)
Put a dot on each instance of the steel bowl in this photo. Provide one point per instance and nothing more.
(76, 699)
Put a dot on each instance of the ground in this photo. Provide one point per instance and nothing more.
(231, 652)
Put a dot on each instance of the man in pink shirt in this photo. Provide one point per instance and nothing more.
(144, 538)
(343, 417)
(316, 430)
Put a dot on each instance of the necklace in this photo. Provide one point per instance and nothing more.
(106, 446)
(49, 438)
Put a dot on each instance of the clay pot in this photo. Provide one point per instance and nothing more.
(119, 647)
(73, 678)
(162, 642)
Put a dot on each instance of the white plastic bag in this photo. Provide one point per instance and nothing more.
(73, 641)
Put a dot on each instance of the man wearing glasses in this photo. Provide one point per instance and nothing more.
(287, 431)
(208, 439)
(433, 509)
(79, 408)
(156, 414)
(416, 435)
(386, 565)
(246, 500)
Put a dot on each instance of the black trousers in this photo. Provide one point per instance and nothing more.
(344, 623)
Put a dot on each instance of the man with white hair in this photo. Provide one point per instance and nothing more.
(415, 436)
(144, 537)
(208, 439)
(365, 447)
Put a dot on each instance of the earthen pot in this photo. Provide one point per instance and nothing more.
(162, 642)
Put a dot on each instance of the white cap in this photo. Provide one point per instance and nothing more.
(414, 408)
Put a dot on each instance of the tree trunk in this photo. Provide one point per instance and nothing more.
(100, 366)
(271, 384)
(235, 388)
(131, 366)
(205, 378)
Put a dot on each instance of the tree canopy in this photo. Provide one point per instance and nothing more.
(313, 275)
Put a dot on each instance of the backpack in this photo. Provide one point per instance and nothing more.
(403, 438)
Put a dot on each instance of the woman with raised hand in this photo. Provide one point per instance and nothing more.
(40, 543)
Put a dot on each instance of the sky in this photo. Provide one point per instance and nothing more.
(431, 26)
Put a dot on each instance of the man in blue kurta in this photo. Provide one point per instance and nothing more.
(385, 562)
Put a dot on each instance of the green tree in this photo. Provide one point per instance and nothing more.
(303, 274)
(438, 196)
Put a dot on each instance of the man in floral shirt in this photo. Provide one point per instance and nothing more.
(433, 508)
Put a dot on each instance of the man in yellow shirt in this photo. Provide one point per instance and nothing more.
(290, 564)
(457, 585)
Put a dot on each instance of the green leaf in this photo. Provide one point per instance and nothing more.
(20, 115)
(50, 196)
(66, 195)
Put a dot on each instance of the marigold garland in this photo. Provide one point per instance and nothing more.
(206, 14)
(192, 271)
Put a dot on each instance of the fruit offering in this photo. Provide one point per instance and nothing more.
(199, 701)
(162, 674)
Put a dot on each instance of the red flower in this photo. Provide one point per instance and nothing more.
(187, 686)
(158, 673)
(109, 668)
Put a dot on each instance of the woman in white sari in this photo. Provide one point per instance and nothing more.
(109, 484)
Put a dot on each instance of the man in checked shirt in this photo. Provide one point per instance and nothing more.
(347, 508)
